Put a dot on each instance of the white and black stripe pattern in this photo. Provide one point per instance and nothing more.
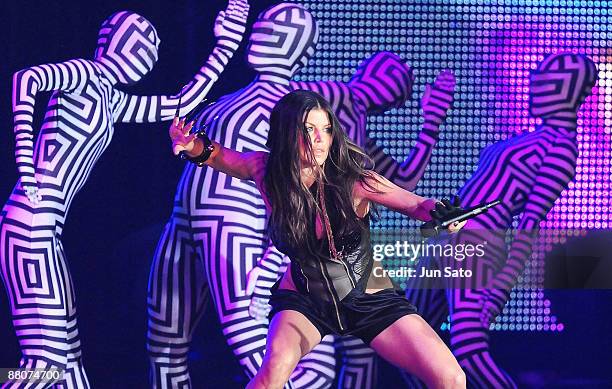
(436, 102)
(359, 367)
(220, 222)
(78, 126)
(381, 82)
(282, 41)
(527, 173)
(128, 45)
(557, 86)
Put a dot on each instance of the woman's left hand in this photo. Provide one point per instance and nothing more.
(181, 139)
(445, 210)
(456, 226)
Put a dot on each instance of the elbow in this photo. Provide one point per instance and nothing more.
(418, 213)
(25, 75)
(20, 74)
(17, 77)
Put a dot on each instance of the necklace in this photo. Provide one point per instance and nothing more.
(333, 253)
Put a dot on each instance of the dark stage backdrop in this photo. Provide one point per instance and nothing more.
(115, 221)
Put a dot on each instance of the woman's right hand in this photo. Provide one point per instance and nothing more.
(182, 140)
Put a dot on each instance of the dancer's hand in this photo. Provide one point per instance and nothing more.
(24, 146)
(31, 190)
(182, 140)
(438, 98)
(258, 307)
(493, 302)
(230, 24)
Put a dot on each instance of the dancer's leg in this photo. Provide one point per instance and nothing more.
(41, 297)
(291, 336)
(412, 345)
(177, 296)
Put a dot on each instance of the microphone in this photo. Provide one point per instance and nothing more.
(429, 229)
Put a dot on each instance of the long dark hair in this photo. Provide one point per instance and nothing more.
(293, 205)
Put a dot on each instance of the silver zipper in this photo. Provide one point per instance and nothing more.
(345, 267)
(331, 294)
(306, 278)
(348, 274)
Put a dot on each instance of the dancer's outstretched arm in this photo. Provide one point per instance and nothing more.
(229, 29)
(374, 188)
(234, 163)
(436, 102)
(377, 189)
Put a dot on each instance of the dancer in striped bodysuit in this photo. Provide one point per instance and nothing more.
(216, 231)
(77, 128)
(527, 173)
(383, 81)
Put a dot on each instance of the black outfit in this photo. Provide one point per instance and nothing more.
(331, 293)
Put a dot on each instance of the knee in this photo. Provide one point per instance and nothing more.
(167, 349)
(280, 363)
(58, 362)
(453, 379)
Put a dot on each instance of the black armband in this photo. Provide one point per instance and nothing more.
(206, 152)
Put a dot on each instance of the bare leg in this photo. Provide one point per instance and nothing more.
(290, 336)
(412, 345)
(429, 297)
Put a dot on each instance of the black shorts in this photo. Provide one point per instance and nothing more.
(363, 315)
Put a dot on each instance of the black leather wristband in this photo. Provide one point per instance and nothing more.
(204, 155)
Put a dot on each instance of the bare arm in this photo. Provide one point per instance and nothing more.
(235, 163)
(380, 190)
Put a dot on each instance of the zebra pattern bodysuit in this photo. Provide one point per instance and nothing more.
(527, 173)
(77, 128)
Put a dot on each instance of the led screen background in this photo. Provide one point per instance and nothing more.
(491, 46)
